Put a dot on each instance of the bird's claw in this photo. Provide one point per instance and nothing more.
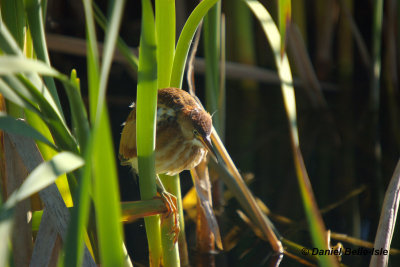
(171, 205)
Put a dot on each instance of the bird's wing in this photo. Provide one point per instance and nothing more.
(127, 145)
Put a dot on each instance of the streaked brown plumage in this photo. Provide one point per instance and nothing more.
(182, 137)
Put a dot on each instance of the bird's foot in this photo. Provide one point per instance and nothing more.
(172, 210)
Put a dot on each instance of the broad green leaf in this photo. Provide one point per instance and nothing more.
(44, 175)
(17, 126)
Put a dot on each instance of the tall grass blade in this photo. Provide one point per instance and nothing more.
(185, 39)
(106, 195)
(108, 210)
(316, 225)
(122, 46)
(36, 26)
(92, 59)
(237, 186)
(108, 52)
(80, 213)
(387, 220)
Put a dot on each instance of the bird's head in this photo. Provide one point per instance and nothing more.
(194, 121)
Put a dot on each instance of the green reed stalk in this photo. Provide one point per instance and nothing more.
(146, 108)
(185, 39)
(165, 32)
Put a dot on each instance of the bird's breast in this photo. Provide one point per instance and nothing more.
(179, 156)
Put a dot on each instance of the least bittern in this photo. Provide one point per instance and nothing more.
(182, 137)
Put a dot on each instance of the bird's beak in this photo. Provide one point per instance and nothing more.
(206, 141)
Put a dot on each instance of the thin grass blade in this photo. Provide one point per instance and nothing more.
(108, 211)
(106, 195)
(80, 213)
(36, 26)
(185, 39)
(121, 45)
(285, 16)
(108, 52)
(316, 224)
(92, 59)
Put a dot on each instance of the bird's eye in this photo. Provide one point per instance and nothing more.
(195, 132)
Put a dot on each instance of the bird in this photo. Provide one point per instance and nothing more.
(182, 133)
(183, 130)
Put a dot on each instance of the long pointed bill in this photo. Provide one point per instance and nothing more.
(206, 141)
